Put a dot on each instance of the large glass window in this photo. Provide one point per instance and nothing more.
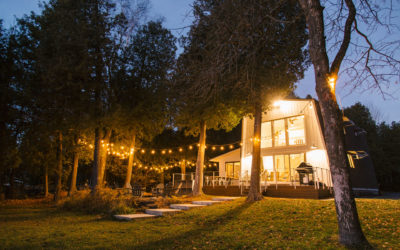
(296, 130)
(266, 135)
(295, 160)
(232, 169)
(279, 133)
(268, 162)
(282, 168)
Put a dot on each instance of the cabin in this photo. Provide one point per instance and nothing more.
(293, 155)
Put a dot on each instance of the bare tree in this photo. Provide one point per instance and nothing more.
(369, 64)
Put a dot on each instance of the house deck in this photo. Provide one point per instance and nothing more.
(282, 191)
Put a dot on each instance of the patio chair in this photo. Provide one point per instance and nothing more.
(137, 190)
(158, 190)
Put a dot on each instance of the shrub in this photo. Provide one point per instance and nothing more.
(105, 201)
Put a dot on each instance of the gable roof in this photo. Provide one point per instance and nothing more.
(230, 153)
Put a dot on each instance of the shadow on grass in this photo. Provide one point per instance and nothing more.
(195, 234)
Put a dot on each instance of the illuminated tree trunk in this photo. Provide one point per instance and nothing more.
(198, 179)
(96, 161)
(103, 156)
(254, 192)
(128, 177)
(183, 170)
(46, 181)
(72, 188)
(350, 233)
(57, 193)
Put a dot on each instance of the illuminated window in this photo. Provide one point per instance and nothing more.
(296, 130)
(232, 169)
(295, 160)
(351, 162)
(282, 167)
(279, 133)
(266, 135)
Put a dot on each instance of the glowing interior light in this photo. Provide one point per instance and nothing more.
(277, 103)
(190, 147)
(180, 149)
(222, 148)
(163, 152)
(213, 148)
(153, 152)
(230, 146)
(284, 106)
(143, 151)
(170, 151)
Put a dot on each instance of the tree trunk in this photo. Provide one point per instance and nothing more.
(350, 233)
(72, 188)
(198, 179)
(96, 161)
(103, 156)
(46, 181)
(128, 177)
(57, 193)
(183, 170)
(254, 192)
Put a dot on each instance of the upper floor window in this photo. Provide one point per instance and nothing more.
(266, 135)
(283, 132)
(279, 133)
(296, 130)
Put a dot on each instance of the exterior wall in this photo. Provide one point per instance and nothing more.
(232, 156)
(313, 148)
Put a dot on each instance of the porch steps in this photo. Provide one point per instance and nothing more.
(185, 206)
(206, 202)
(129, 217)
(174, 208)
(162, 211)
(224, 198)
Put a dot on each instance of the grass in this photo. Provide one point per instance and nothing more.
(271, 223)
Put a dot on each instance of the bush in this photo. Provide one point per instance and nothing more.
(105, 201)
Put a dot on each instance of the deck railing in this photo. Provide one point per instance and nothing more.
(320, 178)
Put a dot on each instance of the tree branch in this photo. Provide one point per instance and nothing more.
(346, 38)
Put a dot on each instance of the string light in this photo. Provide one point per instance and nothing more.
(190, 147)
(332, 83)
(180, 149)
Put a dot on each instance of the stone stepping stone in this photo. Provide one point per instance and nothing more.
(162, 211)
(206, 203)
(185, 206)
(224, 198)
(129, 217)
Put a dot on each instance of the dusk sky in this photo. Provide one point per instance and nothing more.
(177, 14)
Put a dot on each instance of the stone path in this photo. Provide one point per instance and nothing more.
(174, 208)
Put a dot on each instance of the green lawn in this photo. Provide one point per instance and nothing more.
(271, 223)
